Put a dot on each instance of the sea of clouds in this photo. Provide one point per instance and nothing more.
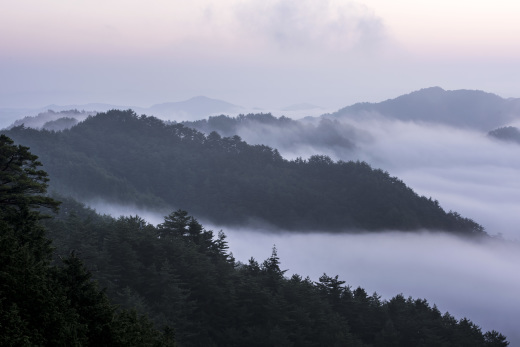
(465, 170)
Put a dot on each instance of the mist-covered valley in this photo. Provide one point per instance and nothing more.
(472, 278)
(467, 279)
(299, 124)
(447, 155)
(462, 168)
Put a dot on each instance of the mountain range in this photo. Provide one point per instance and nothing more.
(191, 109)
(472, 109)
(129, 159)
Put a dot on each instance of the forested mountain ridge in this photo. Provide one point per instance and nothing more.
(44, 303)
(125, 158)
(52, 120)
(229, 126)
(182, 277)
(284, 133)
(191, 109)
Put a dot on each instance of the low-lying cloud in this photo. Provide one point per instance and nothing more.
(477, 280)
(465, 170)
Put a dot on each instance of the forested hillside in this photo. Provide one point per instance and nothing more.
(181, 275)
(282, 132)
(130, 159)
(228, 126)
(46, 304)
(52, 120)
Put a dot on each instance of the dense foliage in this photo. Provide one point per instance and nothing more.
(43, 304)
(285, 133)
(182, 275)
(229, 126)
(124, 158)
(60, 124)
(509, 133)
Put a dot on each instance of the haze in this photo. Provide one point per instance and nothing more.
(465, 170)
(467, 278)
(329, 53)
(252, 53)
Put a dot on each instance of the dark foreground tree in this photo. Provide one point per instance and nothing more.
(22, 183)
(180, 274)
(42, 304)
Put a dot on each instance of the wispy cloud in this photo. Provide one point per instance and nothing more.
(464, 170)
(311, 25)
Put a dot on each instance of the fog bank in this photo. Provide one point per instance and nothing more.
(474, 279)
(465, 170)
(477, 280)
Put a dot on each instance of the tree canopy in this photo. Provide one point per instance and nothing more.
(181, 275)
(45, 304)
(180, 278)
(22, 183)
(121, 157)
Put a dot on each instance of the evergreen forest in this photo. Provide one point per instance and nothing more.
(175, 284)
(49, 298)
(129, 159)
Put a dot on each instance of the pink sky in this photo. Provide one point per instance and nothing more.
(253, 53)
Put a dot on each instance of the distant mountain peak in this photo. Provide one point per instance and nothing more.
(301, 107)
(193, 108)
(203, 98)
(462, 108)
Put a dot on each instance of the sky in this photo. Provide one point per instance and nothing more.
(269, 53)
(331, 53)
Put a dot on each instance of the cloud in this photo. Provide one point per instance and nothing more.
(311, 25)
(465, 170)
(468, 279)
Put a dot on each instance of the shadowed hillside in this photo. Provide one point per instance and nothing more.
(462, 108)
(121, 157)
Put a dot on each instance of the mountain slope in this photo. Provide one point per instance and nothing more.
(462, 108)
(45, 118)
(124, 158)
(182, 275)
